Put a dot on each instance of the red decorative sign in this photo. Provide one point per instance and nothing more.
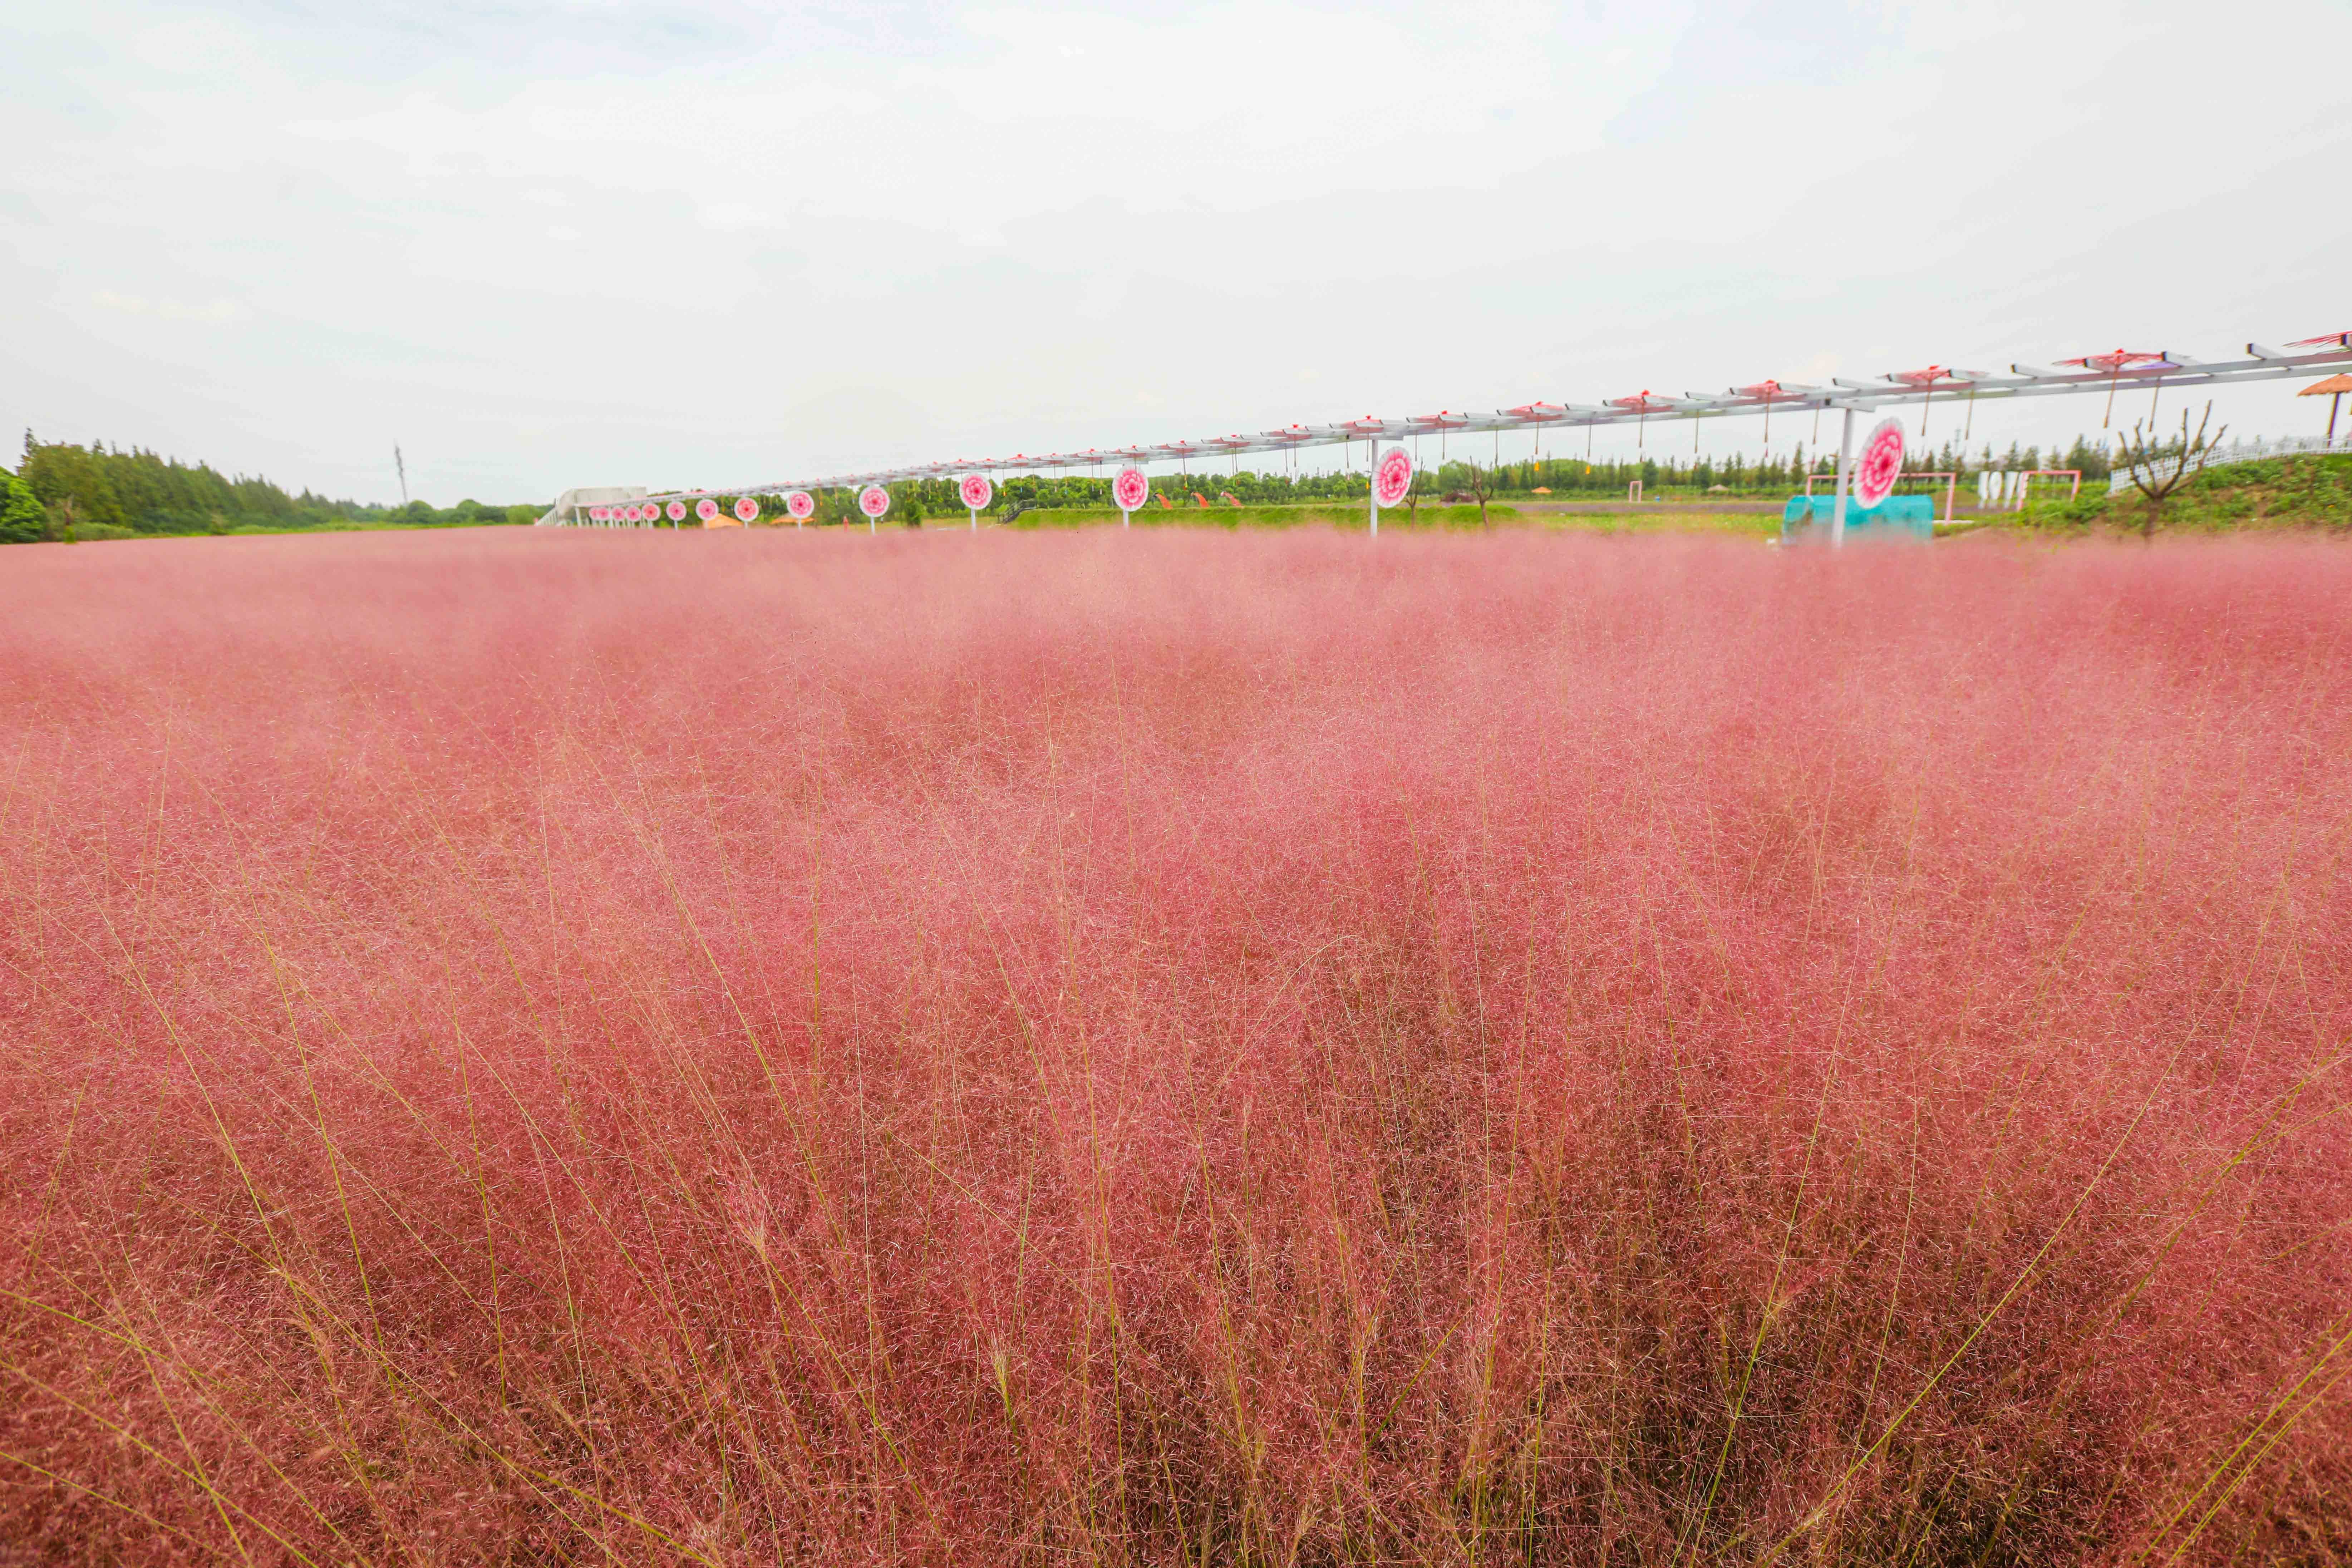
(800, 506)
(747, 509)
(976, 491)
(1880, 465)
(1392, 479)
(706, 509)
(874, 500)
(1130, 490)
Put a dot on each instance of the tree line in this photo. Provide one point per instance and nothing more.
(61, 491)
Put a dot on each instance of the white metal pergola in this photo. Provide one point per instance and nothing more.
(2103, 374)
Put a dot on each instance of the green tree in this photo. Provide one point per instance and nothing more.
(62, 475)
(22, 519)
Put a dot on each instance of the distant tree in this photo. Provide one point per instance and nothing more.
(147, 494)
(60, 474)
(2157, 468)
(522, 516)
(22, 519)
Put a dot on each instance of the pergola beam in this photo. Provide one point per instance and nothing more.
(2260, 363)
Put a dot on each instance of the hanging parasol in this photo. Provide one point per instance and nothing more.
(1441, 421)
(1639, 405)
(1927, 380)
(1768, 393)
(2114, 362)
(1537, 414)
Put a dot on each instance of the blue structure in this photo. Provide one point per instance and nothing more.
(1896, 517)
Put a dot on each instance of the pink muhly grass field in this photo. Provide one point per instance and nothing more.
(1175, 1047)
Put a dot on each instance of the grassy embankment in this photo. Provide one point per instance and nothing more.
(1516, 513)
(2276, 493)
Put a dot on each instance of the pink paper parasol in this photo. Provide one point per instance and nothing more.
(1880, 464)
(1639, 405)
(2114, 362)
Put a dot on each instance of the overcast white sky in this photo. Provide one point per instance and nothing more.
(543, 242)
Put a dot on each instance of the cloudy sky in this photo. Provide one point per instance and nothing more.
(542, 243)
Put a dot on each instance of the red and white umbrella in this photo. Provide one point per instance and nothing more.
(1926, 379)
(1639, 405)
(2114, 362)
(1768, 393)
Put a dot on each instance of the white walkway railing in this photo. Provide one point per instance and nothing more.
(2236, 452)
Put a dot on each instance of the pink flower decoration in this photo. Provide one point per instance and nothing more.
(706, 509)
(747, 509)
(976, 490)
(1880, 465)
(874, 500)
(1130, 490)
(801, 505)
(1393, 478)
(677, 511)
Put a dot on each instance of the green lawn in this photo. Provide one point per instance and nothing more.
(1632, 518)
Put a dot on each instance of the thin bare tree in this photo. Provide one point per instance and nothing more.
(1478, 484)
(2157, 468)
(1413, 494)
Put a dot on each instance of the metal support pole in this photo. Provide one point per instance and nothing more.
(975, 519)
(1845, 472)
(1372, 490)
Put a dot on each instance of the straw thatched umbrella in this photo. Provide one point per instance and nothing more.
(2334, 386)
